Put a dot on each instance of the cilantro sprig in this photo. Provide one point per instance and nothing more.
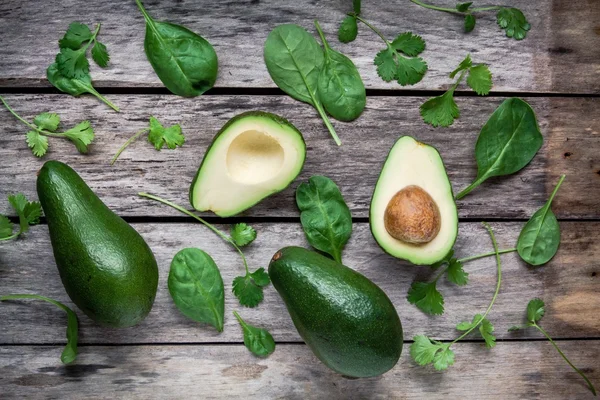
(442, 110)
(536, 309)
(511, 19)
(426, 351)
(29, 213)
(158, 135)
(248, 288)
(45, 125)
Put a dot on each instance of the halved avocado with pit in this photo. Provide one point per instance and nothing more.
(413, 214)
(254, 155)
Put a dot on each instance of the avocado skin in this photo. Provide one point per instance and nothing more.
(347, 321)
(106, 267)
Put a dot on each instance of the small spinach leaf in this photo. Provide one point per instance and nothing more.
(540, 237)
(259, 341)
(325, 217)
(196, 286)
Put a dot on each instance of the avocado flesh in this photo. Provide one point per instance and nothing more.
(253, 156)
(347, 321)
(414, 163)
(106, 267)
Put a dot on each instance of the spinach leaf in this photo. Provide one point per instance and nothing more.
(74, 86)
(259, 341)
(70, 351)
(340, 87)
(325, 217)
(294, 60)
(507, 142)
(540, 237)
(185, 62)
(196, 286)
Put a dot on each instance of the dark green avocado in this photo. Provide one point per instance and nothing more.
(348, 321)
(106, 267)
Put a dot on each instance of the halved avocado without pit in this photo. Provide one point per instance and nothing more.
(413, 214)
(254, 155)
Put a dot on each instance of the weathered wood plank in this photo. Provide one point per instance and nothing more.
(560, 54)
(571, 145)
(569, 285)
(513, 370)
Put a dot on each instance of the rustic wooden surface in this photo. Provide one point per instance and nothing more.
(556, 69)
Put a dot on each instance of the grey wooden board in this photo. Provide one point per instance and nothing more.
(514, 370)
(560, 54)
(568, 284)
(570, 147)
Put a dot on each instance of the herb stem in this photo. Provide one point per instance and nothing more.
(30, 125)
(322, 35)
(127, 143)
(199, 219)
(240, 320)
(590, 385)
(14, 235)
(373, 29)
(560, 181)
(325, 119)
(93, 91)
(432, 7)
(92, 40)
(143, 10)
(469, 188)
(36, 297)
(483, 255)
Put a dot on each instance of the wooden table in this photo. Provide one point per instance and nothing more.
(556, 69)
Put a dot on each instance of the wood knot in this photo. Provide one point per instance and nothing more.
(568, 154)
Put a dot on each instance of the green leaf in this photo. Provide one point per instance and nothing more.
(513, 21)
(47, 121)
(425, 351)
(356, 6)
(463, 7)
(386, 66)
(76, 35)
(348, 29)
(409, 44)
(6, 227)
(248, 292)
(73, 63)
(507, 142)
(464, 64)
(243, 234)
(535, 310)
(324, 215)
(440, 110)
(410, 70)
(456, 274)
(515, 328)
(259, 341)
(486, 330)
(81, 135)
(426, 297)
(470, 22)
(480, 79)
(70, 351)
(540, 237)
(29, 212)
(37, 143)
(261, 277)
(196, 286)
(159, 136)
(100, 54)
(443, 358)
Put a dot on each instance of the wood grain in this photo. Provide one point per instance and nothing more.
(571, 145)
(560, 54)
(510, 371)
(569, 285)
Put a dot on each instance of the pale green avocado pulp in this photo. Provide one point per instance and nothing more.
(413, 163)
(253, 156)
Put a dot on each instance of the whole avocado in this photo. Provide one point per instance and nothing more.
(107, 268)
(347, 321)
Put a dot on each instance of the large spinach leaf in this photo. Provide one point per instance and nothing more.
(507, 142)
(340, 87)
(540, 237)
(185, 62)
(325, 217)
(196, 287)
(294, 60)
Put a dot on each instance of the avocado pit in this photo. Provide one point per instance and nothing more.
(412, 216)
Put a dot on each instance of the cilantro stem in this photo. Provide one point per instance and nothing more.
(373, 29)
(92, 40)
(199, 219)
(14, 235)
(483, 255)
(93, 91)
(127, 143)
(454, 10)
(29, 124)
(590, 385)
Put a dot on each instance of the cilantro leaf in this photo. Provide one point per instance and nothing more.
(486, 330)
(464, 64)
(386, 67)
(425, 351)
(513, 21)
(29, 212)
(409, 44)
(410, 70)
(480, 79)
(440, 110)
(456, 274)
(249, 289)
(100, 54)
(37, 143)
(6, 227)
(47, 121)
(535, 310)
(426, 297)
(261, 277)
(72, 63)
(242, 234)
(348, 29)
(443, 358)
(159, 135)
(463, 7)
(469, 22)
(81, 135)
(76, 35)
